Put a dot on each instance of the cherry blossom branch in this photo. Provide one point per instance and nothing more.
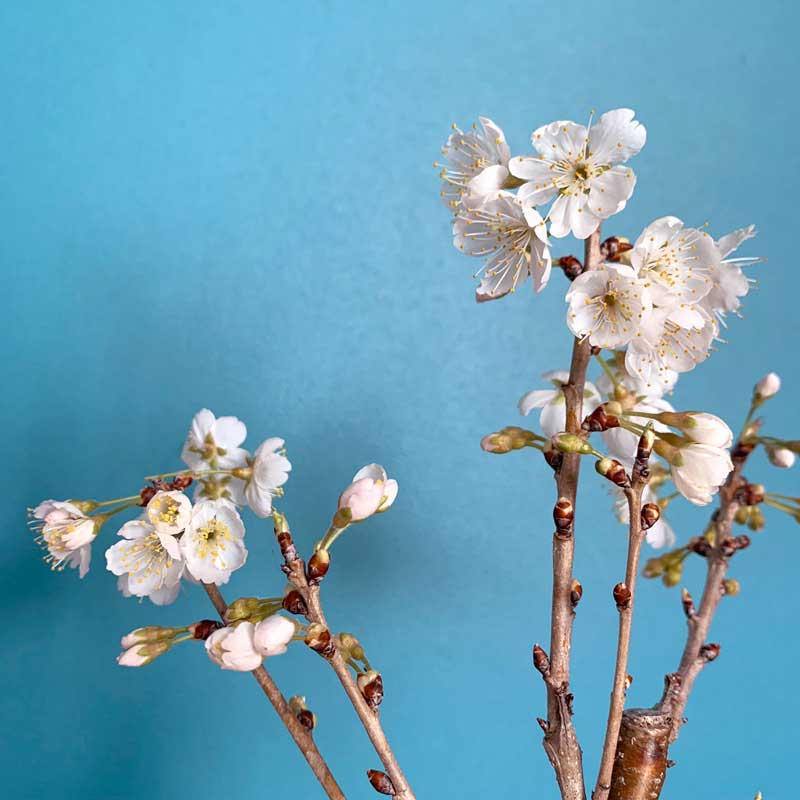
(624, 596)
(560, 741)
(301, 736)
(642, 751)
(320, 639)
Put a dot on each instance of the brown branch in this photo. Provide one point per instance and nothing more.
(369, 717)
(560, 741)
(642, 752)
(301, 736)
(624, 595)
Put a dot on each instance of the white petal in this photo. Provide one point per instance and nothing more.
(538, 398)
(610, 191)
(616, 137)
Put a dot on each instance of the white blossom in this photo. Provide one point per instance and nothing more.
(220, 487)
(582, 169)
(677, 262)
(370, 492)
(512, 236)
(67, 534)
(729, 281)
(476, 164)
(148, 563)
(169, 512)
(670, 339)
(233, 648)
(607, 306)
(768, 386)
(698, 470)
(213, 542)
(268, 470)
(553, 417)
(213, 443)
(273, 634)
(703, 428)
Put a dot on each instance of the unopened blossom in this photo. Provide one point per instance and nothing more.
(780, 457)
(553, 417)
(476, 164)
(370, 492)
(169, 512)
(150, 633)
(150, 561)
(768, 386)
(729, 281)
(607, 306)
(701, 427)
(214, 443)
(512, 236)
(273, 634)
(213, 542)
(139, 655)
(698, 470)
(660, 534)
(582, 169)
(266, 472)
(67, 533)
(677, 262)
(233, 648)
(670, 339)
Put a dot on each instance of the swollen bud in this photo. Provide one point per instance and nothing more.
(575, 593)
(351, 647)
(709, 652)
(613, 471)
(730, 586)
(781, 457)
(151, 633)
(651, 513)
(293, 603)
(298, 707)
(622, 596)
(541, 661)
(319, 639)
(243, 608)
(601, 419)
(318, 565)
(204, 628)
(563, 516)
(370, 684)
(572, 443)
(142, 654)
(653, 568)
(509, 438)
(672, 576)
(381, 782)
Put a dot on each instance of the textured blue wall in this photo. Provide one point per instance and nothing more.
(233, 205)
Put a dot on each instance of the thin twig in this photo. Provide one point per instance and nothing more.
(301, 736)
(369, 717)
(560, 740)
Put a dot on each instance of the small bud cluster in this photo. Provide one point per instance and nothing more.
(509, 438)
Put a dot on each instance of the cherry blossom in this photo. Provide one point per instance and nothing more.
(553, 417)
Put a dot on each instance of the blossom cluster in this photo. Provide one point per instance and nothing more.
(660, 300)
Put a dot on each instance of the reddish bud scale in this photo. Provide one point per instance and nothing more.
(181, 482)
(709, 652)
(381, 782)
(599, 420)
(204, 628)
(554, 458)
(700, 546)
(307, 719)
(741, 450)
(371, 686)
(288, 550)
(572, 266)
(613, 247)
(319, 639)
(564, 517)
(622, 596)
(576, 593)
(752, 494)
(688, 604)
(541, 661)
(318, 565)
(147, 494)
(613, 471)
(293, 603)
(651, 514)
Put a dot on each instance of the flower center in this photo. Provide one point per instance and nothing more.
(212, 537)
(166, 511)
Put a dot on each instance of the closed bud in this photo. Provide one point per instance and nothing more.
(563, 515)
(687, 603)
(600, 420)
(512, 437)
(298, 707)
(742, 515)
(204, 628)
(709, 652)
(370, 684)
(571, 266)
(553, 457)
(757, 521)
(741, 542)
(622, 596)
(351, 647)
(781, 457)
(768, 386)
(672, 576)
(752, 494)
(651, 513)
(288, 550)
(645, 446)
(576, 593)
(730, 587)
(572, 443)
(628, 681)
(243, 608)
(613, 471)
(293, 603)
(142, 654)
(150, 633)
(318, 565)
(612, 249)
(540, 660)
(381, 782)
(319, 639)
(653, 568)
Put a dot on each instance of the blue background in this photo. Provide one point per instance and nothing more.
(233, 206)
